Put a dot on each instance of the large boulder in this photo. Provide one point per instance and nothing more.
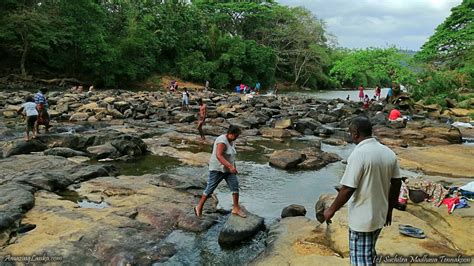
(22, 147)
(79, 116)
(293, 210)
(237, 229)
(286, 159)
(129, 145)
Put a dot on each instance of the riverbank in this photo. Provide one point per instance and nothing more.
(120, 172)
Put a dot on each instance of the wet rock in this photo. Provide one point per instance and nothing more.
(293, 210)
(103, 151)
(317, 159)
(129, 145)
(79, 159)
(286, 159)
(22, 147)
(334, 142)
(237, 229)
(196, 224)
(64, 152)
(379, 119)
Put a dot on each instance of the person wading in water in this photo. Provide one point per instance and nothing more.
(222, 167)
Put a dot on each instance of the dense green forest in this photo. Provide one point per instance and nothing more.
(115, 43)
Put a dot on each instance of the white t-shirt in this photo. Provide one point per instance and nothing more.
(229, 154)
(369, 169)
(30, 108)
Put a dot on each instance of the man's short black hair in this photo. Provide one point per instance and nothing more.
(29, 99)
(363, 125)
(234, 130)
(200, 100)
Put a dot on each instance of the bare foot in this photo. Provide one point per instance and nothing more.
(197, 211)
(239, 212)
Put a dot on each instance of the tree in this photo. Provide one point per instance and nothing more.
(451, 44)
(372, 66)
(28, 27)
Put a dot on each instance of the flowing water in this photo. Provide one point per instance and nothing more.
(265, 191)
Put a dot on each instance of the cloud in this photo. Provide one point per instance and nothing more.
(378, 23)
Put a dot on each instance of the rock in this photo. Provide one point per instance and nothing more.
(10, 114)
(178, 182)
(103, 151)
(236, 229)
(324, 118)
(451, 135)
(324, 202)
(306, 124)
(22, 147)
(286, 159)
(275, 133)
(283, 123)
(396, 124)
(64, 152)
(443, 160)
(451, 103)
(129, 145)
(79, 116)
(109, 100)
(379, 119)
(293, 210)
(79, 159)
(461, 112)
(334, 142)
(185, 117)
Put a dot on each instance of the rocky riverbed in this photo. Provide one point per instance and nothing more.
(67, 186)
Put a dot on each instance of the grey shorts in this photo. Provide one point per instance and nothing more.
(215, 177)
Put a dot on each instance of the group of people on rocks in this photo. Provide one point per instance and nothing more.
(35, 111)
(243, 88)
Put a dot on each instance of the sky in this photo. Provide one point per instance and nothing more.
(406, 24)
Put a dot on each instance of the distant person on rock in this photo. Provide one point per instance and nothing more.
(366, 101)
(222, 167)
(395, 115)
(202, 118)
(29, 109)
(42, 108)
(348, 98)
(372, 183)
(378, 91)
(361, 93)
(206, 87)
(185, 100)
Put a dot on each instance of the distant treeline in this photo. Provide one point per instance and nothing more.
(113, 43)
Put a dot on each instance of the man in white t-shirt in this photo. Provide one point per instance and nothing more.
(372, 183)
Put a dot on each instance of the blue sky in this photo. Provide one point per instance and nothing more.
(379, 23)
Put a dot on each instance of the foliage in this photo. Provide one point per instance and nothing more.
(452, 42)
(372, 66)
(118, 42)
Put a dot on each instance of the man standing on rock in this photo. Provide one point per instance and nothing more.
(372, 183)
(222, 166)
(202, 118)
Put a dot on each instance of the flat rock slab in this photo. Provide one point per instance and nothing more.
(238, 229)
(444, 160)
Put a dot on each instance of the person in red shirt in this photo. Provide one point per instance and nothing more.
(394, 115)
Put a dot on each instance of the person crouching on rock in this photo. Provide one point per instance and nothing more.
(29, 107)
(222, 166)
(42, 108)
